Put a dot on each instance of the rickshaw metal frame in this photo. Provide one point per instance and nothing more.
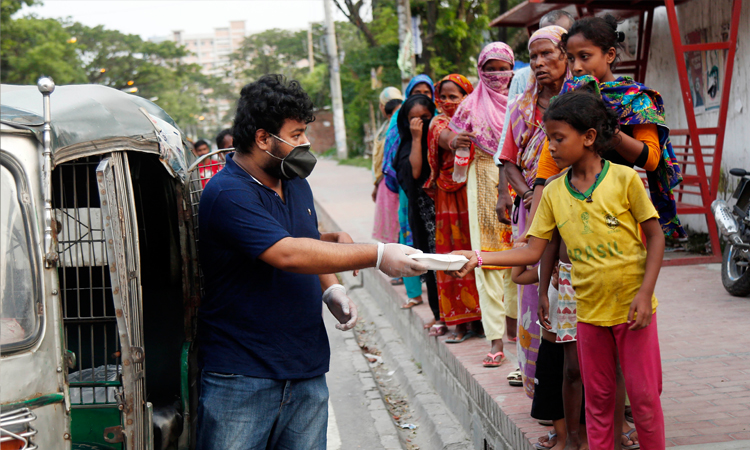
(20, 177)
(113, 179)
(119, 129)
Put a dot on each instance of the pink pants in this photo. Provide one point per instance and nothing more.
(638, 352)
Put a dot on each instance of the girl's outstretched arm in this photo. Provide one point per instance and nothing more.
(523, 256)
(641, 305)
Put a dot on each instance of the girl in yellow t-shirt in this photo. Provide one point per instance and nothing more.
(599, 209)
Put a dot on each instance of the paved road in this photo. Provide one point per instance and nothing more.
(357, 415)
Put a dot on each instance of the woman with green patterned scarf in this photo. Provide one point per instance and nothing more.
(644, 137)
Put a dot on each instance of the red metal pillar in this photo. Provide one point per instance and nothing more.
(707, 193)
(646, 37)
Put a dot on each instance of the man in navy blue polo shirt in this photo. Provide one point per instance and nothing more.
(263, 347)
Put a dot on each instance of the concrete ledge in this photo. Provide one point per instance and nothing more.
(478, 413)
(480, 416)
(439, 429)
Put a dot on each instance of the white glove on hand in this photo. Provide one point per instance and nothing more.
(395, 261)
(342, 308)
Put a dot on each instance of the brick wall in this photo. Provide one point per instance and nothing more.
(320, 132)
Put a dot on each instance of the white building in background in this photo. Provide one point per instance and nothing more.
(212, 50)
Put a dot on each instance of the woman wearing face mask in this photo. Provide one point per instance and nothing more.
(459, 299)
(482, 115)
(413, 121)
(520, 156)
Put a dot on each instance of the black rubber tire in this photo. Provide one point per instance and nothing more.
(736, 280)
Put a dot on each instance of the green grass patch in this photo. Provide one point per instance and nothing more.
(330, 153)
(358, 161)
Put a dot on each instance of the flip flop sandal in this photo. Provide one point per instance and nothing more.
(635, 445)
(494, 356)
(540, 445)
(397, 281)
(438, 329)
(514, 339)
(467, 335)
(515, 378)
(411, 303)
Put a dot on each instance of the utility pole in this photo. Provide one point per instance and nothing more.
(403, 10)
(310, 55)
(339, 127)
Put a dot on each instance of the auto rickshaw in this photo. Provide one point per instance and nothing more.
(99, 279)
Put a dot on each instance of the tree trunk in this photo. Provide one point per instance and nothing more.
(428, 42)
(352, 13)
(502, 35)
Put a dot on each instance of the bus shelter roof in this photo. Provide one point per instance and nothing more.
(528, 13)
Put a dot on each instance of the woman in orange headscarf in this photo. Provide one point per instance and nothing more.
(459, 299)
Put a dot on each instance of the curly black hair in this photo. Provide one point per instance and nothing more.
(265, 104)
(583, 109)
(602, 31)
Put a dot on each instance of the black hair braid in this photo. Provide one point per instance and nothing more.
(583, 110)
(265, 104)
(602, 31)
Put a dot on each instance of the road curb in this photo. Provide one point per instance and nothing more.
(384, 427)
(439, 429)
(487, 426)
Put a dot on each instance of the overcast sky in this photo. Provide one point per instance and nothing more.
(149, 18)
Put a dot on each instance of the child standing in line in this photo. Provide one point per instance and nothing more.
(550, 364)
(597, 208)
(557, 316)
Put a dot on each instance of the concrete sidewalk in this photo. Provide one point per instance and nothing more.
(705, 353)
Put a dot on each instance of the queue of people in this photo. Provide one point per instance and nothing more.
(528, 175)
(551, 216)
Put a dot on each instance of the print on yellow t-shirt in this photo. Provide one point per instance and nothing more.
(603, 240)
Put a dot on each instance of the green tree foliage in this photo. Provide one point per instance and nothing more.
(271, 51)
(455, 31)
(125, 61)
(31, 47)
(281, 51)
(73, 53)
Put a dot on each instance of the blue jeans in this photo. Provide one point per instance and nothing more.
(236, 412)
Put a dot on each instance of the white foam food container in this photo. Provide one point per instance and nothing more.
(434, 261)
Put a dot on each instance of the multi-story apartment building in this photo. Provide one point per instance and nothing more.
(212, 50)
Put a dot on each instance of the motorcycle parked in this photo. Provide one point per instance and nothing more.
(734, 223)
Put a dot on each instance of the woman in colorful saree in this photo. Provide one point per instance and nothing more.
(482, 115)
(459, 299)
(520, 156)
